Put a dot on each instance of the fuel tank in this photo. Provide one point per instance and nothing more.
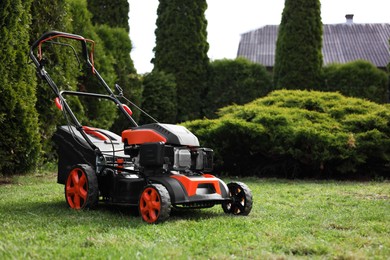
(156, 132)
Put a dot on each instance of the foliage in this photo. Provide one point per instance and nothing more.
(298, 59)
(357, 79)
(234, 82)
(181, 49)
(159, 97)
(99, 114)
(46, 16)
(19, 146)
(117, 43)
(300, 134)
(114, 13)
(111, 22)
(289, 220)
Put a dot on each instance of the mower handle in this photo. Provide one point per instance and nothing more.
(55, 34)
(88, 57)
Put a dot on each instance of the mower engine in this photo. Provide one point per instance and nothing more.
(160, 148)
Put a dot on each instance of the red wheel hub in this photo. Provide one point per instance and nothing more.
(76, 188)
(150, 205)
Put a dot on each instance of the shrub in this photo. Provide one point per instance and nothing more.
(117, 45)
(236, 81)
(299, 134)
(357, 79)
(50, 15)
(159, 97)
(19, 131)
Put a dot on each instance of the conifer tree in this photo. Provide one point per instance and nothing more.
(48, 15)
(99, 114)
(19, 134)
(298, 60)
(181, 49)
(111, 22)
(114, 13)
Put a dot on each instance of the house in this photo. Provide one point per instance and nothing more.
(342, 43)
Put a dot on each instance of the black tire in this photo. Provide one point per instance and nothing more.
(81, 187)
(241, 199)
(154, 204)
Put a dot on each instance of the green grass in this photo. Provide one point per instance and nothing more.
(290, 220)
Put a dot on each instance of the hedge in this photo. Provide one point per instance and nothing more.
(159, 97)
(357, 79)
(19, 130)
(236, 81)
(294, 133)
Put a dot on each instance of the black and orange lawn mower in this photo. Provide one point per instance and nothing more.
(154, 166)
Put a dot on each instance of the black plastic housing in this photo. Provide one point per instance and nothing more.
(71, 150)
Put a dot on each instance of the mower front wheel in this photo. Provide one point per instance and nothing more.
(241, 199)
(81, 188)
(154, 204)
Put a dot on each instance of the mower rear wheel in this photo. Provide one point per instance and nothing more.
(81, 188)
(241, 203)
(154, 204)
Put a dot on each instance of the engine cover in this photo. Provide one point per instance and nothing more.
(156, 132)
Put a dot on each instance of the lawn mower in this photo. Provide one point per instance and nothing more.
(154, 166)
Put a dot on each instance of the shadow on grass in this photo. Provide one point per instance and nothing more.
(176, 214)
(58, 213)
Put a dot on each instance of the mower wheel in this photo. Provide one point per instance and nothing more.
(241, 203)
(81, 188)
(154, 204)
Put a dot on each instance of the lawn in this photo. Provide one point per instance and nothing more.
(289, 220)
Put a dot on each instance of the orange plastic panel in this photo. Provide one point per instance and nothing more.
(191, 184)
(92, 131)
(140, 136)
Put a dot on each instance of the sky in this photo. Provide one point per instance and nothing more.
(228, 19)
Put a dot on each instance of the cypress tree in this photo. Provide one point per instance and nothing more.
(114, 13)
(19, 134)
(117, 42)
(48, 15)
(111, 22)
(298, 60)
(181, 49)
(100, 114)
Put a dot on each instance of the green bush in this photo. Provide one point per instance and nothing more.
(117, 45)
(99, 114)
(299, 134)
(112, 13)
(159, 97)
(46, 16)
(19, 131)
(236, 81)
(357, 79)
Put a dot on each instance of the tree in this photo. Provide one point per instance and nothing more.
(159, 97)
(19, 135)
(111, 22)
(181, 49)
(46, 16)
(100, 114)
(298, 59)
(114, 13)
(234, 82)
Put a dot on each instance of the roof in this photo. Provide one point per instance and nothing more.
(341, 43)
